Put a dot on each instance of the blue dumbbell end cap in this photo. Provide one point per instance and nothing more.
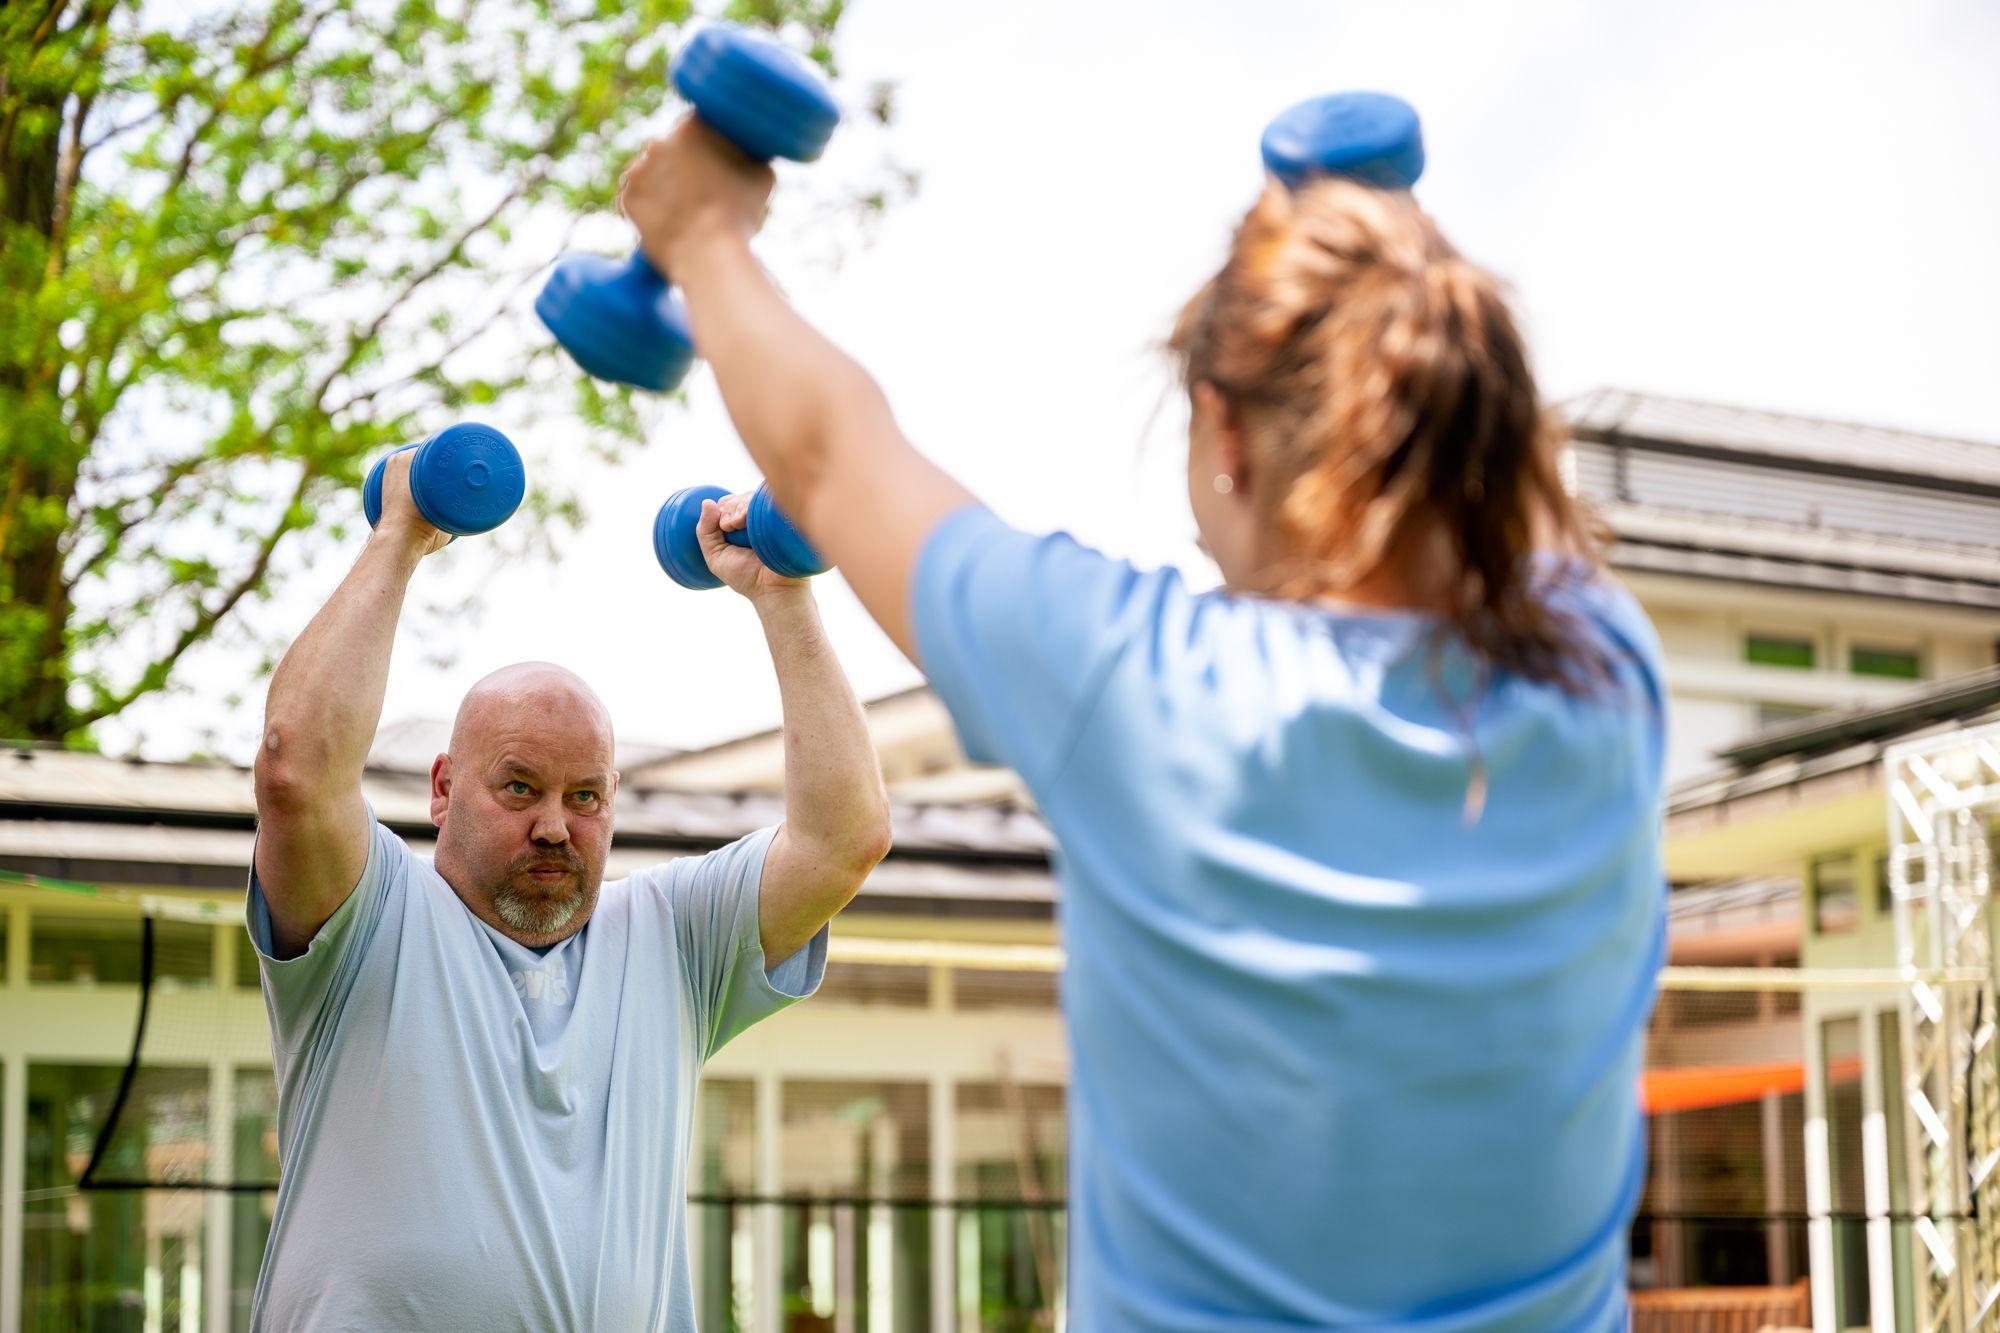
(675, 544)
(782, 547)
(468, 479)
(1370, 137)
(756, 93)
(619, 321)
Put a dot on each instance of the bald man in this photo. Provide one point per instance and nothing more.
(487, 1062)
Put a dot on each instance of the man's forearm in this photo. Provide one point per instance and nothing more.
(326, 695)
(834, 800)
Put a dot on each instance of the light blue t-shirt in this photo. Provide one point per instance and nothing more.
(1344, 1055)
(476, 1135)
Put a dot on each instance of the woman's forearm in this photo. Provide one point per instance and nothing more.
(808, 413)
(819, 427)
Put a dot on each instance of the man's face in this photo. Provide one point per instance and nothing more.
(523, 803)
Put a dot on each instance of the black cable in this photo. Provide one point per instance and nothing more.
(88, 1180)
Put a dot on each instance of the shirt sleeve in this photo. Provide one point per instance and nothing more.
(729, 983)
(303, 994)
(1018, 633)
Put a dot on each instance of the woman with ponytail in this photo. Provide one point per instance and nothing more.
(1362, 891)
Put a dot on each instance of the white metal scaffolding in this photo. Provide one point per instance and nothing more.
(1943, 800)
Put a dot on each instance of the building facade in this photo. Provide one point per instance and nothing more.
(1803, 810)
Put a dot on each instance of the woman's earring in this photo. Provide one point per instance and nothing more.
(1224, 483)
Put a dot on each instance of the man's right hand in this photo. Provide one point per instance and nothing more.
(402, 522)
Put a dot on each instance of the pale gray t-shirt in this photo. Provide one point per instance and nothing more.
(477, 1135)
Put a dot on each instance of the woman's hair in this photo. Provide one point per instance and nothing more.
(1384, 395)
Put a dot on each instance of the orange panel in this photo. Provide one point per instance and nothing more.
(1701, 1086)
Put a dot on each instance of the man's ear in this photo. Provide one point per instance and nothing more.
(440, 788)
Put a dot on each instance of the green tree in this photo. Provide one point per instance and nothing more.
(242, 252)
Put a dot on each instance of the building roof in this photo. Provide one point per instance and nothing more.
(1655, 539)
(1838, 742)
(1730, 494)
(1682, 425)
(199, 818)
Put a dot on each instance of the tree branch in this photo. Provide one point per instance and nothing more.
(154, 113)
(154, 677)
(128, 515)
(359, 342)
(262, 62)
(68, 172)
(473, 331)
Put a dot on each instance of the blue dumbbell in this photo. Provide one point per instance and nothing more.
(782, 547)
(1370, 137)
(465, 479)
(617, 318)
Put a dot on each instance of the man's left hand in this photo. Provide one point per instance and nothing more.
(737, 566)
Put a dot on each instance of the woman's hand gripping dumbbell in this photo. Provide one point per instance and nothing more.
(465, 479)
(617, 318)
(746, 538)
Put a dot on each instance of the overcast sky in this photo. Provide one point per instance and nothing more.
(1792, 206)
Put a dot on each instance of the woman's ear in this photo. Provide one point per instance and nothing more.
(1217, 421)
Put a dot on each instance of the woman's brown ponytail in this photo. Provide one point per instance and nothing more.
(1382, 374)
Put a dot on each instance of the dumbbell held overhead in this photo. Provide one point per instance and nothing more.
(617, 318)
(465, 479)
(781, 546)
(1373, 138)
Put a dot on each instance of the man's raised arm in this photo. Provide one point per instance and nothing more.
(319, 720)
(836, 813)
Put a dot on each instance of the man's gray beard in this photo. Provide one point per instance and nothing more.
(538, 915)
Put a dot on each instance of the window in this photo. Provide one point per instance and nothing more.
(104, 950)
(246, 963)
(1892, 663)
(876, 983)
(1780, 650)
(1833, 894)
(1885, 900)
(1840, 1085)
(255, 1149)
(857, 1254)
(1010, 1143)
(986, 988)
(99, 1261)
(1889, 1039)
(723, 1172)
